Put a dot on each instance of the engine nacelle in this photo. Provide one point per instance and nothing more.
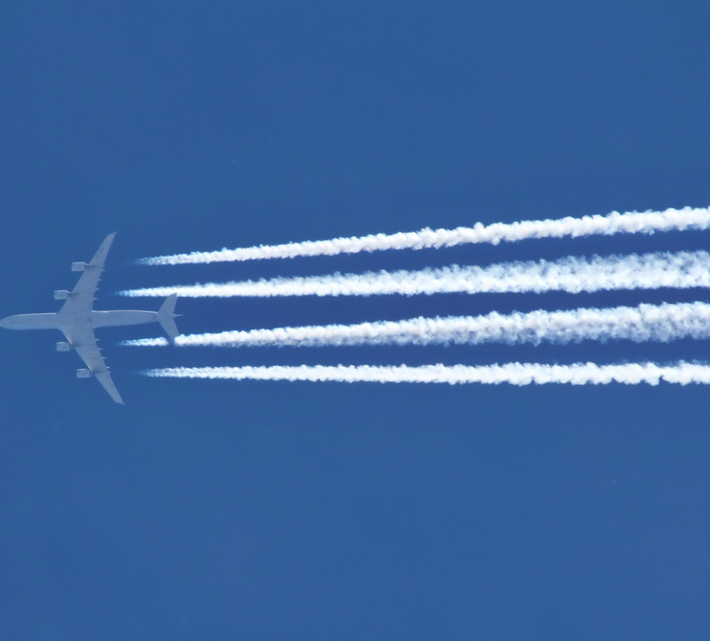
(84, 373)
(61, 294)
(63, 346)
(78, 267)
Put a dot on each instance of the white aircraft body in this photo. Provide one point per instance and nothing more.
(77, 319)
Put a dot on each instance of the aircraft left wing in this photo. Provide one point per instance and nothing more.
(84, 342)
(81, 298)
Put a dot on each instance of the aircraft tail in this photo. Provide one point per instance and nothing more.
(166, 316)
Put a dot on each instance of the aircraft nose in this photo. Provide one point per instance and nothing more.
(6, 322)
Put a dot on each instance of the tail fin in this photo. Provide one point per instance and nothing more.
(166, 316)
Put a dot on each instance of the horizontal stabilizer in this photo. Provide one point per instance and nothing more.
(170, 328)
(166, 314)
(168, 306)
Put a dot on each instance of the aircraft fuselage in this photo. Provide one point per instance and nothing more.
(94, 319)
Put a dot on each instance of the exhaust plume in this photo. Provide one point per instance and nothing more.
(659, 323)
(572, 274)
(681, 373)
(614, 223)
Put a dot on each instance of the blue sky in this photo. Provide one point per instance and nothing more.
(306, 511)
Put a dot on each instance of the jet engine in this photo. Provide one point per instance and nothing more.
(63, 346)
(78, 267)
(84, 373)
(61, 294)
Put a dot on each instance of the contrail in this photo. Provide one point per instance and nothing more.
(615, 223)
(571, 274)
(659, 323)
(514, 373)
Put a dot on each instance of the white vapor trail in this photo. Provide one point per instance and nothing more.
(615, 223)
(514, 373)
(660, 323)
(571, 274)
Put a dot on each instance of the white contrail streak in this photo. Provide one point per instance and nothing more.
(571, 274)
(615, 223)
(659, 323)
(513, 373)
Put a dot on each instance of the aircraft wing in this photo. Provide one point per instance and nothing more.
(84, 342)
(82, 296)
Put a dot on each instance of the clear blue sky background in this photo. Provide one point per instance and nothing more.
(256, 510)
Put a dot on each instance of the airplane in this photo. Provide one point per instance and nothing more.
(77, 319)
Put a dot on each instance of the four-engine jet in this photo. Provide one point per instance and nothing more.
(77, 319)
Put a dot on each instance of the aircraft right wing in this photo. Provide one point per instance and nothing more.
(82, 297)
(84, 342)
